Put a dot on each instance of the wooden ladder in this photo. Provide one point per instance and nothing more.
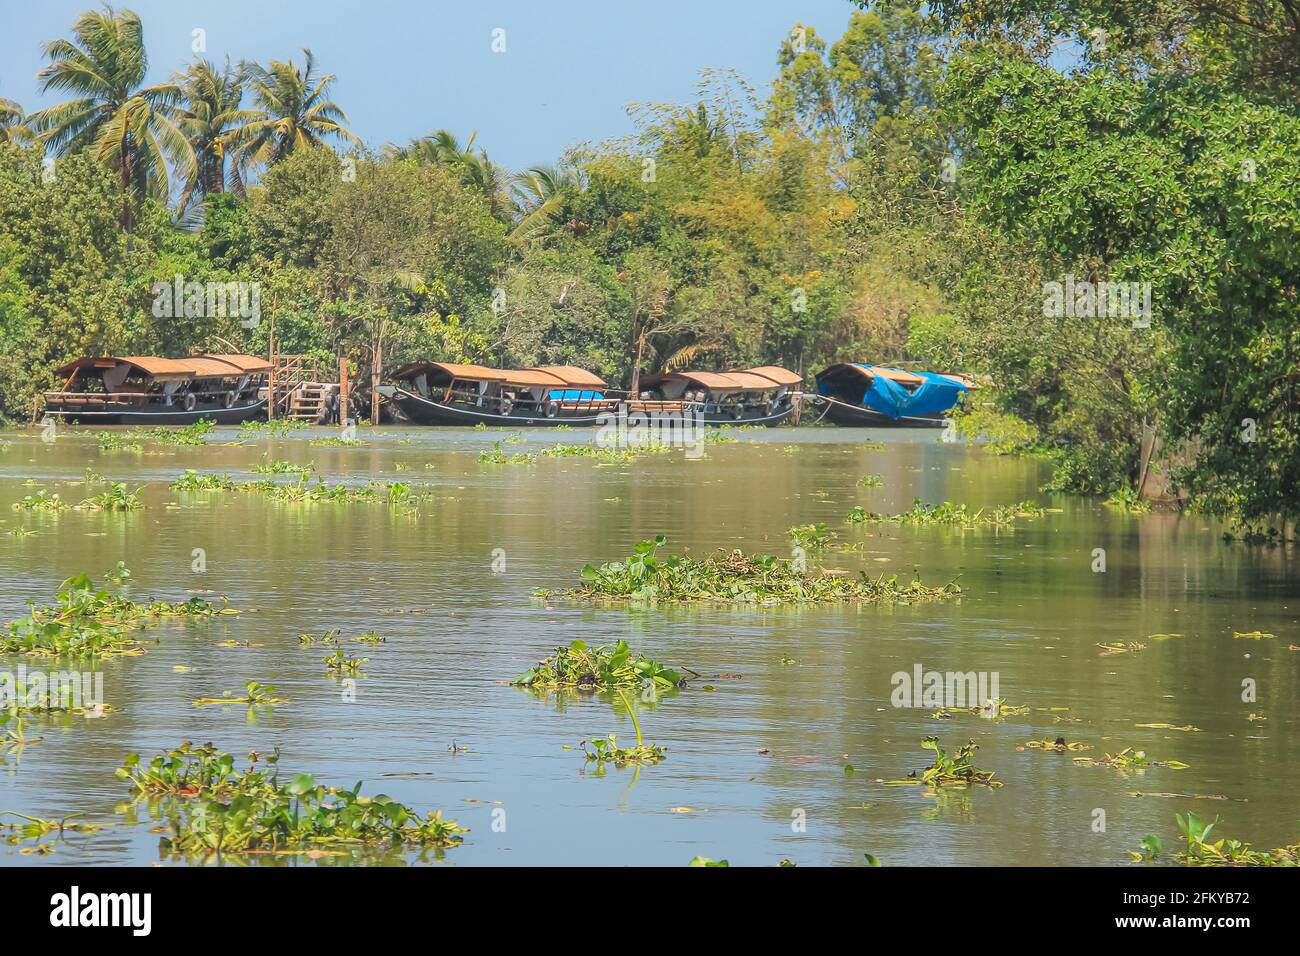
(307, 401)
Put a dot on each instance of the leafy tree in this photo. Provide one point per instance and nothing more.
(127, 126)
(297, 112)
(210, 117)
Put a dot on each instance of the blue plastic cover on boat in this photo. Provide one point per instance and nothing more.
(936, 394)
(574, 395)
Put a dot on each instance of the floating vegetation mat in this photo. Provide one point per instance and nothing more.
(215, 808)
(302, 490)
(951, 515)
(735, 578)
(87, 622)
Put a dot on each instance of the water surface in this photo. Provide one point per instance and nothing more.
(753, 758)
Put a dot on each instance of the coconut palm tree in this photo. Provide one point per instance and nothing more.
(296, 111)
(12, 127)
(540, 195)
(471, 166)
(127, 126)
(210, 117)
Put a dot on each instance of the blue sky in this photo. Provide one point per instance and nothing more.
(569, 68)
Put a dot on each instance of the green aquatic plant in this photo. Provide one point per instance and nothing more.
(734, 578)
(953, 515)
(1060, 745)
(280, 467)
(957, 770)
(497, 456)
(277, 426)
(994, 709)
(607, 454)
(1200, 851)
(215, 809)
(1129, 759)
(194, 481)
(341, 663)
(811, 537)
(1127, 499)
(117, 441)
(329, 637)
(255, 695)
(336, 442)
(12, 736)
(195, 434)
(370, 637)
(870, 481)
(87, 622)
(117, 498)
(41, 501)
(606, 750)
(580, 667)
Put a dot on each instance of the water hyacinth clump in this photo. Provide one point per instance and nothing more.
(956, 770)
(194, 481)
(580, 667)
(41, 501)
(195, 434)
(117, 498)
(735, 578)
(87, 622)
(214, 808)
(952, 515)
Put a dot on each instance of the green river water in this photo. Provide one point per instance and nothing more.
(761, 758)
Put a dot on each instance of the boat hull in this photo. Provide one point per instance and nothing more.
(171, 416)
(853, 416)
(422, 411)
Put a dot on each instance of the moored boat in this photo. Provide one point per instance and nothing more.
(145, 389)
(446, 393)
(752, 396)
(861, 395)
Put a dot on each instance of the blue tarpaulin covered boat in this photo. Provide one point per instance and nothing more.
(876, 395)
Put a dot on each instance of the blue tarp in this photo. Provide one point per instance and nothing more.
(936, 394)
(574, 395)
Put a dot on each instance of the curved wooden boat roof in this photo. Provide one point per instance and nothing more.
(532, 377)
(739, 380)
(782, 376)
(154, 367)
(572, 376)
(165, 369)
(245, 363)
(470, 373)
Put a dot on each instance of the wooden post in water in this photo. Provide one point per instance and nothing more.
(343, 391)
(376, 366)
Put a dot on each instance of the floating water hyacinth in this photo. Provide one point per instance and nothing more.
(735, 578)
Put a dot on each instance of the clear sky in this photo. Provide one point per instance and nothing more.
(406, 67)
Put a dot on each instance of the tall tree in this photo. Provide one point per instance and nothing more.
(297, 111)
(211, 119)
(471, 166)
(12, 122)
(128, 126)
